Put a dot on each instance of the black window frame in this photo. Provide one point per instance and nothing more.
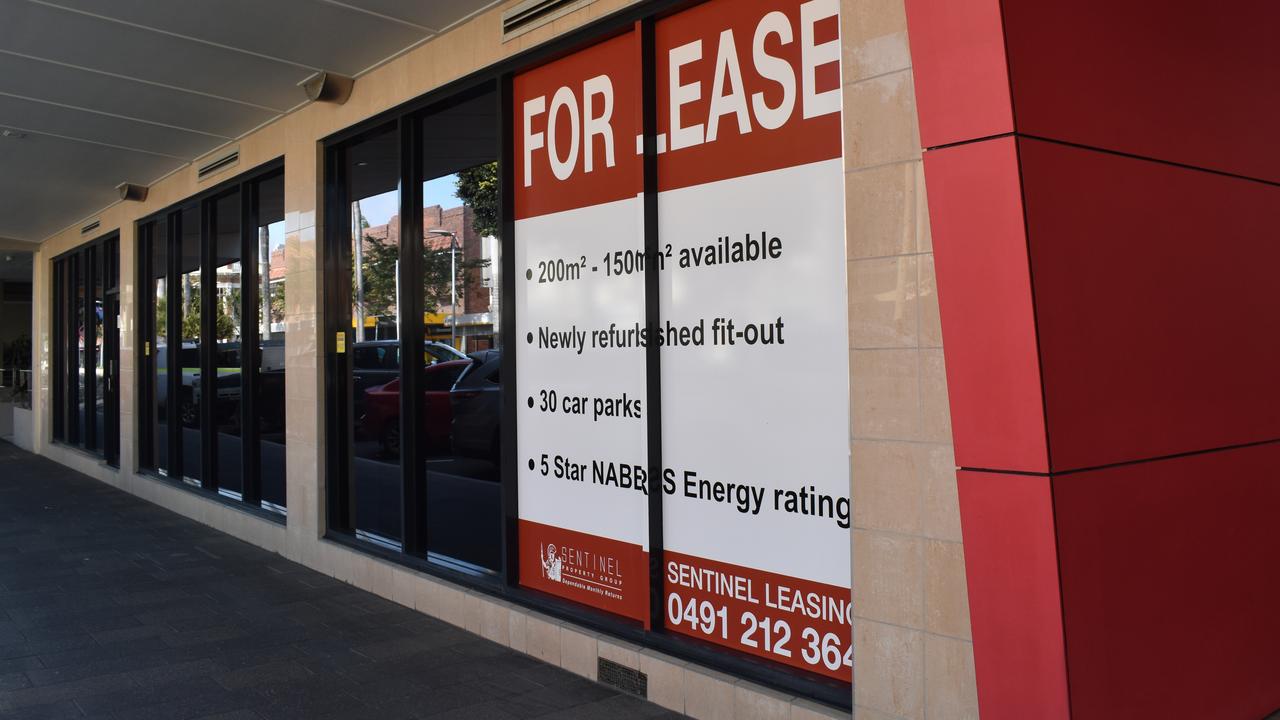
(168, 226)
(340, 518)
(85, 264)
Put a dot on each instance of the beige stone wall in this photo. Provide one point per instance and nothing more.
(912, 646)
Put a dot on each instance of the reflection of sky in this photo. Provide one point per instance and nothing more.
(275, 235)
(379, 209)
(442, 191)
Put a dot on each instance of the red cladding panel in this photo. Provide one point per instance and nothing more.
(993, 377)
(962, 79)
(1190, 82)
(1169, 586)
(1012, 569)
(1154, 293)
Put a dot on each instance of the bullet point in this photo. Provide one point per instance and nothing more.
(529, 338)
(528, 274)
(530, 463)
(530, 402)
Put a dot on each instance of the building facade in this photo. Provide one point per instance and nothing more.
(985, 504)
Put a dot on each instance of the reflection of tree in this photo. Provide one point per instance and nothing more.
(225, 324)
(436, 287)
(374, 283)
(162, 316)
(379, 275)
(277, 301)
(478, 188)
(231, 303)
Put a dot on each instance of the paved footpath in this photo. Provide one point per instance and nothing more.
(111, 607)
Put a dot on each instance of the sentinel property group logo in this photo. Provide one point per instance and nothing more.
(588, 570)
(552, 564)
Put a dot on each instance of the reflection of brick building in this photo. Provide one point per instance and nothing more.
(277, 265)
(476, 292)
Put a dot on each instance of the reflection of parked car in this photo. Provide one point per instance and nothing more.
(228, 387)
(382, 408)
(377, 362)
(477, 407)
(189, 362)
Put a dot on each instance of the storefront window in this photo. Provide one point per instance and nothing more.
(187, 363)
(78, 320)
(459, 427)
(373, 303)
(669, 204)
(270, 320)
(59, 355)
(86, 348)
(223, 256)
(226, 399)
(155, 346)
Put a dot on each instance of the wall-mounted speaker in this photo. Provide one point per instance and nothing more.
(129, 191)
(327, 87)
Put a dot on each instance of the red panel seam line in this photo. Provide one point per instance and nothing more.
(1105, 151)
(1123, 463)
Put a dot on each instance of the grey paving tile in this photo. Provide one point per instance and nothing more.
(617, 707)
(67, 672)
(61, 710)
(14, 681)
(72, 690)
(483, 711)
(111, 608)
(268, 673)
(122, 698)
(233, 715)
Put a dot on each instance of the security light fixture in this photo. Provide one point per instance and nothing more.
(327, 87)
(129, 191)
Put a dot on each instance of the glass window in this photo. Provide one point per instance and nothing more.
(111, 351)
(226, 397)
(59, 349)
(85, 339)
(78, 324)
(93, 350)
(224, 256)
(373, 177)
(158, 351)
(189, 390)
(460, 429)
(270, 319)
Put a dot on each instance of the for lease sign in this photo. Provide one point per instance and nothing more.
(581, 422)
(753, 331)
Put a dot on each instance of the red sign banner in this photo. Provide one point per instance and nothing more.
(747, 86)
(804, 624)
(604, 573)
(576, 122)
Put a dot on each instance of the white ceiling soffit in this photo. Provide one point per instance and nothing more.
(95, 93)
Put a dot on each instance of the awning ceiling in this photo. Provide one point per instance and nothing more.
(93, 94)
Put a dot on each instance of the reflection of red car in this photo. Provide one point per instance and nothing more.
(382, 408)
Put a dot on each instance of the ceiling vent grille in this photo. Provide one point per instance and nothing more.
(90, 227)
(531, 14)
(217, 163)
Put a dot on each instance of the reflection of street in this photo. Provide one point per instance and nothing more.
(230, 470)
(464, 504)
